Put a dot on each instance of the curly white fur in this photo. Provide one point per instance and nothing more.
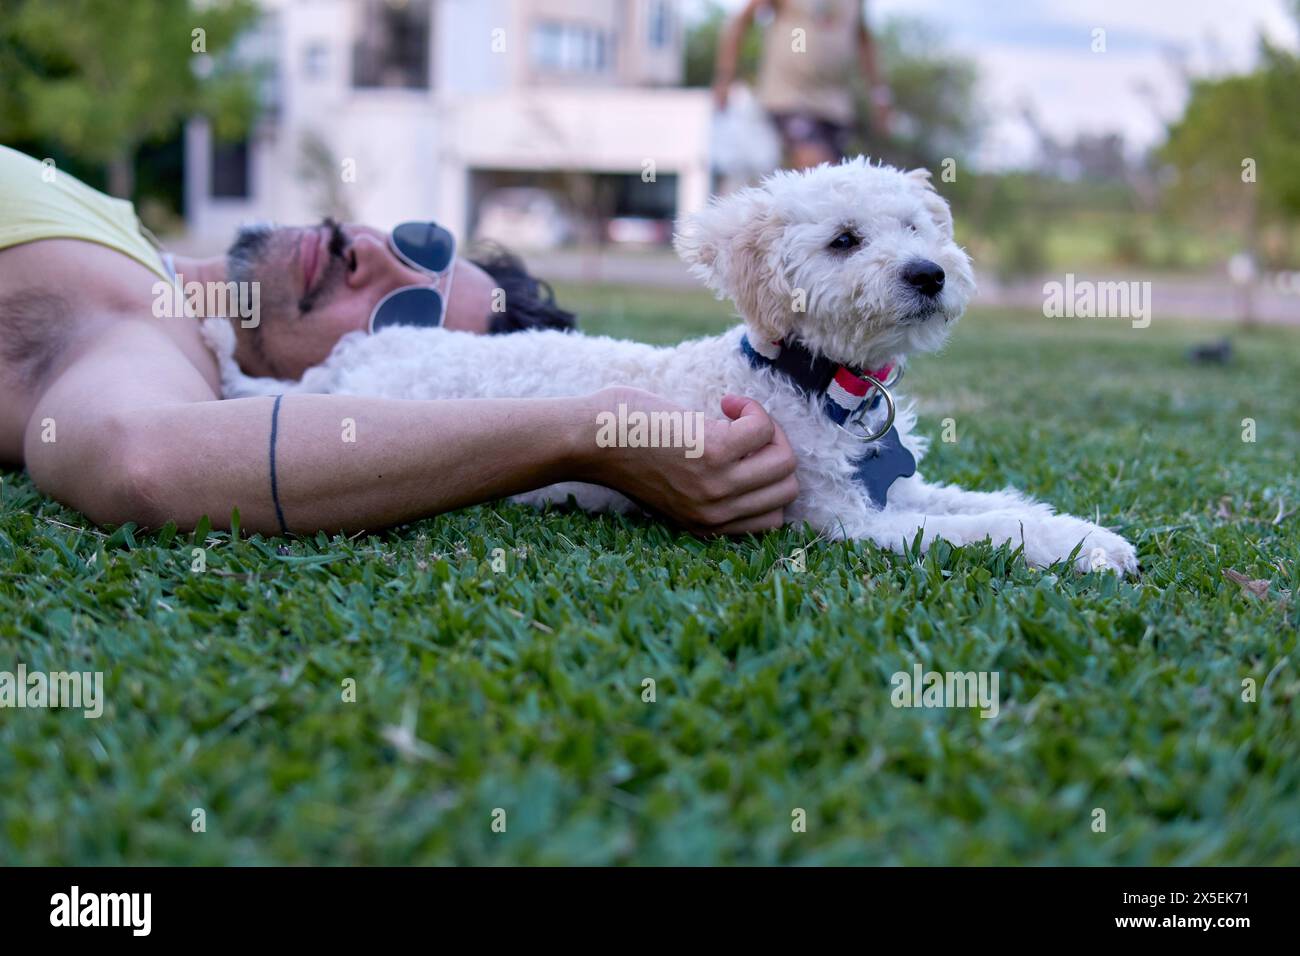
(768, 249)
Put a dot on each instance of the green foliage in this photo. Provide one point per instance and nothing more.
(1019, 252)
(936, 105)
(523, 689)
(99, 79)
(702, 48)
(318, 170)
(1229, 121)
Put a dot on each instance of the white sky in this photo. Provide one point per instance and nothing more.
(1039, 52)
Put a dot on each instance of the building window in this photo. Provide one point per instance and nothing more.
(659, 32)
(570, 48)
(229, 171)
(392, 45)
(316, 60)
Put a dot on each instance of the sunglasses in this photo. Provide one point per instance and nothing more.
(429, 248)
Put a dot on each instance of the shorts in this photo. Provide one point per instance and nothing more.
(805, 129)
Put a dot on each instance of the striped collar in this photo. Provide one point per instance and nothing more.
(843, 389)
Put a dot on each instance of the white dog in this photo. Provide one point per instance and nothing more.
(834, 270)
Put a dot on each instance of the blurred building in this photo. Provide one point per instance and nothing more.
(384, 110)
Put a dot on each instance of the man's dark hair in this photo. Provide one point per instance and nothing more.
(242, 259)
(529, 302)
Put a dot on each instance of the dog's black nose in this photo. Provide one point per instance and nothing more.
(924, 276)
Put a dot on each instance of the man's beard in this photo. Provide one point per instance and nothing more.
(247, 251)
(252, 257)
(247, 259)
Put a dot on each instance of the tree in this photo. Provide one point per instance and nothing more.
(100, 79)
(701, 52)
(936, 106)
(1234, 149)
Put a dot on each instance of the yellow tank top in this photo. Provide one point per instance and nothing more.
(41, 202)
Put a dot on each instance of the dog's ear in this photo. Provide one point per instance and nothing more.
(935, 204)
(734, 246)
(703, 240)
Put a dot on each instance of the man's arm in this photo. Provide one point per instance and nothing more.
(878, 91)
(729, 44)
(138, 436)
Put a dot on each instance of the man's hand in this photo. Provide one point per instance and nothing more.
(742, 482)
(883, 115)
(729, 41)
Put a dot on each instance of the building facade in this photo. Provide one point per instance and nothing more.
(385, 110)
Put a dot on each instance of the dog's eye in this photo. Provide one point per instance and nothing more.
(845, 241)
(910, 226)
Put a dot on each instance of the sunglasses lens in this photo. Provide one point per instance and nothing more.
(426, 244)
(416, 306)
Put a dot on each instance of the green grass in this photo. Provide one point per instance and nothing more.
(522, 690)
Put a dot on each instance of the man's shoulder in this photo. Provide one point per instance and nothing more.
(93, 292)
(92, 276)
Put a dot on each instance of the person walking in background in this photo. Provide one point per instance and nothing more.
(810, 51)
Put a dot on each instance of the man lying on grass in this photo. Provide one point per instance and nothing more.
(116, 412)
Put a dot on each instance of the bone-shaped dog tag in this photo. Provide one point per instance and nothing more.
(884, 463)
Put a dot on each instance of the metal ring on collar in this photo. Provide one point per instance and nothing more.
(862, 410)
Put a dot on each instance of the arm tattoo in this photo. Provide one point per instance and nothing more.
(275, 490)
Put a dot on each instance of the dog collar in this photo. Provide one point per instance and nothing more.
(845, 393)
(843, 389)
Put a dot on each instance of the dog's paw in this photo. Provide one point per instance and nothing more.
(1106, 551)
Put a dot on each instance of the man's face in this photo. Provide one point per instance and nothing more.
(318, 283)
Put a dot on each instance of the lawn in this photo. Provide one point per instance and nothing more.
(522, 689)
